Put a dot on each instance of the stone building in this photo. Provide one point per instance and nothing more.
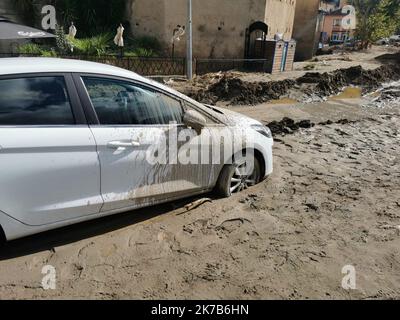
(309, 24)
(307, 28)
(219, 26)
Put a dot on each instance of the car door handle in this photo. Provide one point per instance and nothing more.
(123, 144)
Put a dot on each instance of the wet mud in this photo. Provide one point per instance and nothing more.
(312, 86)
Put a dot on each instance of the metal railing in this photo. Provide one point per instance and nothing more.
(141, 65)
(159, 66)
(204, 66)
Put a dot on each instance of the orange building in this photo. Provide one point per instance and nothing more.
(335, 29)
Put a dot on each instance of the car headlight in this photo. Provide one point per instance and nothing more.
(264, 130)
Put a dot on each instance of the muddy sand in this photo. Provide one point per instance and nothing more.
(333, 200)
(311, 87)
(329, 76)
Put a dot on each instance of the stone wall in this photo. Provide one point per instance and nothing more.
(307, 28)
(219, 26)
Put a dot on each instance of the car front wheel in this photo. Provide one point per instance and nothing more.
(238, 176)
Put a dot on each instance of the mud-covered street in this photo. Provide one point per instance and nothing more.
(333, 200)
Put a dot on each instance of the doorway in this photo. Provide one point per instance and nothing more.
(256, 35)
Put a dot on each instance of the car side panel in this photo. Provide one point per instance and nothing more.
(49, 174)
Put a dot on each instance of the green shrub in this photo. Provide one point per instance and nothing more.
(30, 48)
(37, 50)
(62, 40)
(49, 53)
(143, 52)
(95, 46)
(140, 52)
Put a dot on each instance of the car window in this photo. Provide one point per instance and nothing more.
(35, 101)
(123, 103)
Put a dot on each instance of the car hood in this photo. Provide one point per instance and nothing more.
(231, 117)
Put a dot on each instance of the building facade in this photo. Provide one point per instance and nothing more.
(307, 28)
(334, 30)
(219, 26)
(312, 25)
(329, 5)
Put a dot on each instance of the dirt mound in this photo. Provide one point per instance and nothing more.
(386, 96)
(389, 58)
(237, 92)
(240, 92)
(288, 126)
(332, 83)
(341, 121)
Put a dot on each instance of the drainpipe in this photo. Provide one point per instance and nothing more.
(189, 42)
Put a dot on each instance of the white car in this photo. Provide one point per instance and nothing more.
(383, 41)
(81, 140)
(394, 38)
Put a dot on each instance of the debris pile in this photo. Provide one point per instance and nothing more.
(288, 126)
(387, 96)
(393, 58)
(332, 83)
(230, 89)
(239, 92)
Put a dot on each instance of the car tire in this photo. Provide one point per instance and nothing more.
(228, 182)
(3, 239)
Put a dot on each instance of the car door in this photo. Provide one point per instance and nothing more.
(205, 166)
(135, 126)
(49, 169)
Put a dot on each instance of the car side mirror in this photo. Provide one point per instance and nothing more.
(195, 120)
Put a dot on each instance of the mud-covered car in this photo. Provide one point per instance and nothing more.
(80, 140)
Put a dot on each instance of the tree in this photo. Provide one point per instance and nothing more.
(27, 9)
(393, 11)
(393, 7)
(91, 17)
(375, 19)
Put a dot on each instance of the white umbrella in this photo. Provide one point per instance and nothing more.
(119, 38)
(10, 31)
(72, 31)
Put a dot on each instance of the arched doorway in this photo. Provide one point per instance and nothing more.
(256, 35)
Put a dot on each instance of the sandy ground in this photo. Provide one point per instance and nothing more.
(327, 63)
(333, 200)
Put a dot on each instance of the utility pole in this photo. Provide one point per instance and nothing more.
(189, 42)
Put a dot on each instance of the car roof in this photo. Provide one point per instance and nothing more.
(34, 65)
(14, 66)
